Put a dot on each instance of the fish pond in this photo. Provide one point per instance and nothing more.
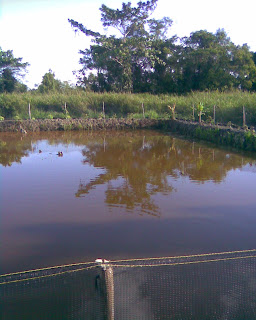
(76, 196)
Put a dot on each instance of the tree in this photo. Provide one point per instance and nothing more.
(7, 81)
(243, 68)
(212, 61)
(140, 57)
(49, 83)
(11, 69)
(124, 63)
(254, 81)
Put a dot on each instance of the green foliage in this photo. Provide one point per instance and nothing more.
(122, 62)
(135, 116)
(8, 81)
(144, 59)
(79, 126)
(1, 118)
(82, 104)
(200, 109)
(250, 140)
(67, 127)
(11, 69)
(151, 114)
(211, 61)
(49, 83)
(20, 87)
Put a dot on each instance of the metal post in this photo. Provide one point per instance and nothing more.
(108, 279)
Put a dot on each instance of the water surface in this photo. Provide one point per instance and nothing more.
(120, 194)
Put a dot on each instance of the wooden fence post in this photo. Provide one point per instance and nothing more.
(29, 111)
(143, 111)
(244, 118)
(65, 107)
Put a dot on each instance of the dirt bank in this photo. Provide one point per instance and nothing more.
(74, 124)
(221, 135)
(238, 138)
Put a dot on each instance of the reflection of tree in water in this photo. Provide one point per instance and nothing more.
(13, 148)
(140, 166)
(132, 164)
(137, 164)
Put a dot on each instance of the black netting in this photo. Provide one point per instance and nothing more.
(53, 294)
(219, 289)
(215, 286)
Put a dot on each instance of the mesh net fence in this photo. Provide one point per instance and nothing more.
(207, 286)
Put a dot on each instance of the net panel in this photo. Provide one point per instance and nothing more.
(199, 287)
(62, 293)
(212, 286)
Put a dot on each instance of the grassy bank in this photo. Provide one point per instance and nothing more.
(228, 106)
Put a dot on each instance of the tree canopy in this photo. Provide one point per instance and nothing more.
(121, 62)
(212, 61)
(11, 69)
(51, 84)
(140, 56)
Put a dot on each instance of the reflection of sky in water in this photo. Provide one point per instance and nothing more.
(236, 189)
(45, 220)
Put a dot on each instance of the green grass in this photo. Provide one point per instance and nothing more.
(82, 104)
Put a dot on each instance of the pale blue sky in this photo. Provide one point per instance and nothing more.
(38, 30)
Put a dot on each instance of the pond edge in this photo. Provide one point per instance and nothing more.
(244, 139)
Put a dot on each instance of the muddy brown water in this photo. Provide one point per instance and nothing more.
(120, 194)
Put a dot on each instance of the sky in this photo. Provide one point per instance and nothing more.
(39, 31)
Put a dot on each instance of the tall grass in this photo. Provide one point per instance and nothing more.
(229, 105)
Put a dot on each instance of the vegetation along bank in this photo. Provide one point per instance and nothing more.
(141, 76)
(235, 137)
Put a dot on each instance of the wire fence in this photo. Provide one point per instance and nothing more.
(204, 286)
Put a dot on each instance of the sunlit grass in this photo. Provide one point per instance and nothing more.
(229, 105)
